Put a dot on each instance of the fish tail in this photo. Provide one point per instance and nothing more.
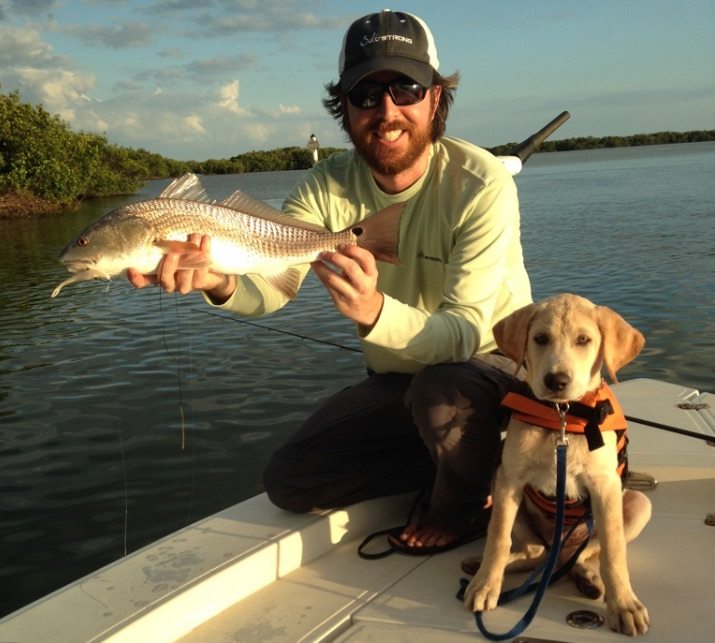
(380, 233)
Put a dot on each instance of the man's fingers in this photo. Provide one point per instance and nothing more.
(138, 280)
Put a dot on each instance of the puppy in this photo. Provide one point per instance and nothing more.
(564, 341)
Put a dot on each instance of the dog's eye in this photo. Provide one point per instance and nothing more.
(582, 340)
(542, 339)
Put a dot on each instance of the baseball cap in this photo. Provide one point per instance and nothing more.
(387, 41)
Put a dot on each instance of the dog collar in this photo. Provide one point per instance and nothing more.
(596, 411)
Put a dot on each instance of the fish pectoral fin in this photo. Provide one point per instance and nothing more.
(191, 256)
(286, 282)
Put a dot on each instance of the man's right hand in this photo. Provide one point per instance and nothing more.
(218, 287)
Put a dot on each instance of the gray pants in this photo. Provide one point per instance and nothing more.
(393, 433)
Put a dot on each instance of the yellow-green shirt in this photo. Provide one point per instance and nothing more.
(462, 267)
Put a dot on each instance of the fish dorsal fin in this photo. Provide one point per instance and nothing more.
(250, 205)
(187, 187)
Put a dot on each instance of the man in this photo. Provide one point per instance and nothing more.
(428, 414)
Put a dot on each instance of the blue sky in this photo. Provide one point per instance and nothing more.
(199, 79)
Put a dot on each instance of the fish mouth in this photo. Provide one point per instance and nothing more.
(78, 265)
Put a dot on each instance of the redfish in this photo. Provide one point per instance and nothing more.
(248, 236)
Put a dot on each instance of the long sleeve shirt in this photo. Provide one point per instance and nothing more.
(462, 266)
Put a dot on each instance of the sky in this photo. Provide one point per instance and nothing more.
(201, 79)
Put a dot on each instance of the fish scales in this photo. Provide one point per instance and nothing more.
(247, 237)
(175, 219)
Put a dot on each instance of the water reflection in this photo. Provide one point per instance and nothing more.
(127, 414)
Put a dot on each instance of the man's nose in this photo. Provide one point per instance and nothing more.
(387, 105)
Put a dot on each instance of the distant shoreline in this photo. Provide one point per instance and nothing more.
(16, 205)
(609, 142)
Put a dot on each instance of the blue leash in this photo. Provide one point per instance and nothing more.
(547, 569)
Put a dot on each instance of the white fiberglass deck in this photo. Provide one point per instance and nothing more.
(255, 573)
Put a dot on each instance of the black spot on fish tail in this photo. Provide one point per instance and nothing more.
(380, 233)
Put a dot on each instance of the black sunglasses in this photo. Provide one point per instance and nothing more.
(368, 94)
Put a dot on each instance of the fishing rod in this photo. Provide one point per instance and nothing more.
(272, 329)
(522, 151)
(710, 439)
(513, 162)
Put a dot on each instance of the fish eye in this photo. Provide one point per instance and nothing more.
(82, 242)
(357, 231)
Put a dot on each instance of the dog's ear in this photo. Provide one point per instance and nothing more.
(510, 333)
(620, 342)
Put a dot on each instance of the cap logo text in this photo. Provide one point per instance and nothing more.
(369, 40)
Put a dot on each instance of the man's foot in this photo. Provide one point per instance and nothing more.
(422, 537)
(427, 535)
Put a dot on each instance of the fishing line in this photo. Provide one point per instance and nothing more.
(179, 360)
(126, 486)
(272, 329)
(179, 378)
(279, 330)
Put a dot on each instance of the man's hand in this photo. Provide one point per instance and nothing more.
(350, 277)
(219, 287)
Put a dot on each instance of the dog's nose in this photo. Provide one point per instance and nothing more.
(556, 381)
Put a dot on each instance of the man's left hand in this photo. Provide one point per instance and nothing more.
(350, 277)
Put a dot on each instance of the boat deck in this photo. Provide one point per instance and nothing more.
(255, 573)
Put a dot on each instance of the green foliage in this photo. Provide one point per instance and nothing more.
(40, 155)
(285, 158)
(42, 158)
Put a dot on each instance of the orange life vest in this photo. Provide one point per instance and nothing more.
(596, 411)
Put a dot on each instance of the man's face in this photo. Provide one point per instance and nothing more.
(389, 137)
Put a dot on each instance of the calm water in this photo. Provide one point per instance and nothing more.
(95, 458)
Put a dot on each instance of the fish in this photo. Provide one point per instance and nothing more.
(248, 236)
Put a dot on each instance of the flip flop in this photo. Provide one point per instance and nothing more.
(396, 545)
(467, 537)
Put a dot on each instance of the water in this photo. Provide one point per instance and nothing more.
(127, 414)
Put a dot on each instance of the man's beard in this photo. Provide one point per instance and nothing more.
(387, 161)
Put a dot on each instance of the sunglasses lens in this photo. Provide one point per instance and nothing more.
(368, 95)
(406, 93)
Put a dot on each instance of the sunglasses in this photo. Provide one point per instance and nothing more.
(368, 94)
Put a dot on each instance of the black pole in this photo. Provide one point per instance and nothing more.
(527, 147)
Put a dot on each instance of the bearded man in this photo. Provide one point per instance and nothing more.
(428, 414)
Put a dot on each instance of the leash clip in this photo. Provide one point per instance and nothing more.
(562, 410)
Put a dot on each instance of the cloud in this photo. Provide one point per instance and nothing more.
(193, 122)
(25, 47)
(221, 64)
(267, 15)
(228, 95)
(174, 103)
(58, 91)
(125, 35)
(288, 109)
(25, 7)
(257, 132)
(30, 65)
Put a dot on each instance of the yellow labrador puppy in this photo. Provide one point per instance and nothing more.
(564, 341)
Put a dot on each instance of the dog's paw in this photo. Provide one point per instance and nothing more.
(482, 594)
(587, 581)
(470, 565)
(628, 616)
